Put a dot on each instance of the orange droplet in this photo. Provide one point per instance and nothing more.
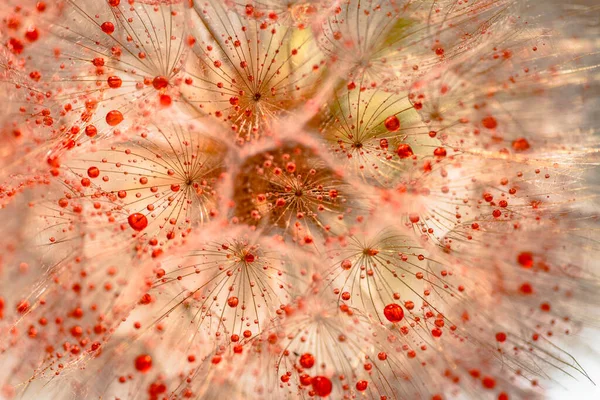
(361, 386)
(160, 82)
(520, 144)
(165, 100)
(114, 118)
(232, 302)
(143, 363)
(392, 123)
(114, 82)
(439, 152)
(404, 151)
(393, 312)
(91, 131)
(307, 360)
(32, 34)
(107, 27)
(489, 122)
(137, 221)
(321, 385)
(525, 259)
(93, 172)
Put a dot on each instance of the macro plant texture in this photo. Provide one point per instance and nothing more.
(299, 199)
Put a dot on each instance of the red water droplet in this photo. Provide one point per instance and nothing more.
(488, 382)
(107, 27)
(361, 386)
(32, 34)
(321, 385)
(165, 100)
(91, 131)
(392, 123)
(305, 379)
(93, 172)
(249, 258)
(15, 46)
(155, 389)
(489, 122)
(98, 62)
(143, 363)
(526, 288)
(502, 396)
(160, 82)
(114, 82)
(393, 312)
(404, 151)
(501, 337)
(114, 118)
(232, 302)
(307, 360)
(137, 221)
(520, 144)
(525, 259)
(414, 218)
(22, 306)
(346, 264)
(439, 152)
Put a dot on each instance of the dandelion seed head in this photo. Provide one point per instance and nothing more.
(297, 199)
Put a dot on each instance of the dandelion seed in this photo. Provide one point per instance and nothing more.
(164, 178)
(249, 73)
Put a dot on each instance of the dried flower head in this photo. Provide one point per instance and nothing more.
(292, 199)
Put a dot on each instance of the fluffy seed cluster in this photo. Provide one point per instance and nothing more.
(296, 199)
